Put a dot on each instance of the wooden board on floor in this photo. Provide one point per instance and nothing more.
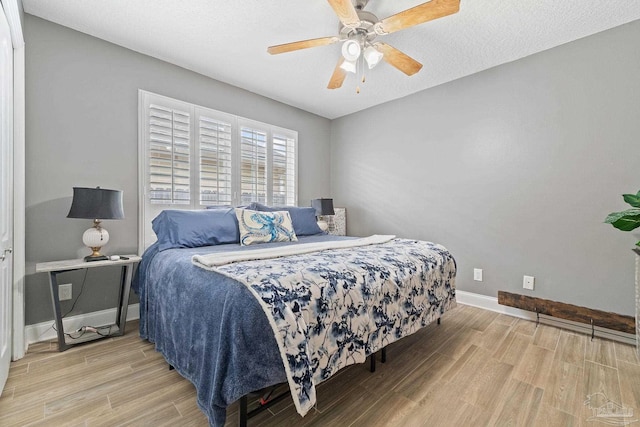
(561, 310)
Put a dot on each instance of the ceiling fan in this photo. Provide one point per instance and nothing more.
(359, 29)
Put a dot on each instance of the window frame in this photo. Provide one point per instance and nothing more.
(148, 209)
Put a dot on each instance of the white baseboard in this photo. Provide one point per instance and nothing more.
(491, 304)
(44, 331)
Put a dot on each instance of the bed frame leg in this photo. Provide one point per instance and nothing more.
(242, 412)
(438, 320)
(372, 359)
(171, 368)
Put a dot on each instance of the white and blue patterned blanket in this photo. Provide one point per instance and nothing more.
(333, 308)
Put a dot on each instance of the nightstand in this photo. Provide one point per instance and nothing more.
(56, 267)
(338, 224)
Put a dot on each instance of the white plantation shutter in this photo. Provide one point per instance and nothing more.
(169, 133)
(253, 165)
(191, 157)
(215, 160)
(283, 170)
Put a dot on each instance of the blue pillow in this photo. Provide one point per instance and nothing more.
(303, 219)
(192, 229)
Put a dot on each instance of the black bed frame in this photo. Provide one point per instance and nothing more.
(267, 401)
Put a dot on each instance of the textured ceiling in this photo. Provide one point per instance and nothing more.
(227, 40)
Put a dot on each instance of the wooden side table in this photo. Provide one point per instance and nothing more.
(56, 267)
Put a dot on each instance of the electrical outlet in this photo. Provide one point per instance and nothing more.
(65, 291)
(477, 274)
(528, 282)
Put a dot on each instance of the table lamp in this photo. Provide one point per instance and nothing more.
(323, 208)
(96, 204)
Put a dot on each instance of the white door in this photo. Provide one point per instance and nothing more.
(6, 195)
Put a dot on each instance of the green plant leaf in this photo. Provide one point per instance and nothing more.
(615, 216)
(626, 221)
(632, 199)
(627, 224)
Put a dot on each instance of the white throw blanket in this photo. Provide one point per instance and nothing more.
(332, 308)
(211, 261)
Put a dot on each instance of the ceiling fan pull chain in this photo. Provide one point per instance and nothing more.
(363, 71)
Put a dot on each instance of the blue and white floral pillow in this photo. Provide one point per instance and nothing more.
(264, 227)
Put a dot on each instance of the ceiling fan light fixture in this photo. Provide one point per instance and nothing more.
(372, 56)
(351, 50)
(349, 66)
(358, 29)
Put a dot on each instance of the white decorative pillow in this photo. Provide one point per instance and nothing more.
(264, 227)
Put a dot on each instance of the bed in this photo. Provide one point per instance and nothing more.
(234, 319)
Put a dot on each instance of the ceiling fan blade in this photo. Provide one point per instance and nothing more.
(346, 12)
(338, 76)
(401, 61)
(417, 15)
(303, 44)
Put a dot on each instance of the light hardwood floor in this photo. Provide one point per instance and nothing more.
(477, 368)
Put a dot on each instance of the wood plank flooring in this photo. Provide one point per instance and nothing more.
(476, 368)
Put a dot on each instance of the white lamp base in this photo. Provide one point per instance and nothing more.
(95, 238)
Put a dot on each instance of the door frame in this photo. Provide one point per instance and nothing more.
(15, 16)
(6, 202)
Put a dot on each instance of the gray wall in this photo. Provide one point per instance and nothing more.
(82, 130)
(512, 169)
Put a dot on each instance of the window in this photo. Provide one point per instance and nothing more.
(193, 157)
(253, 165)
(214, 137)
(169, 144)
(283, 167)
